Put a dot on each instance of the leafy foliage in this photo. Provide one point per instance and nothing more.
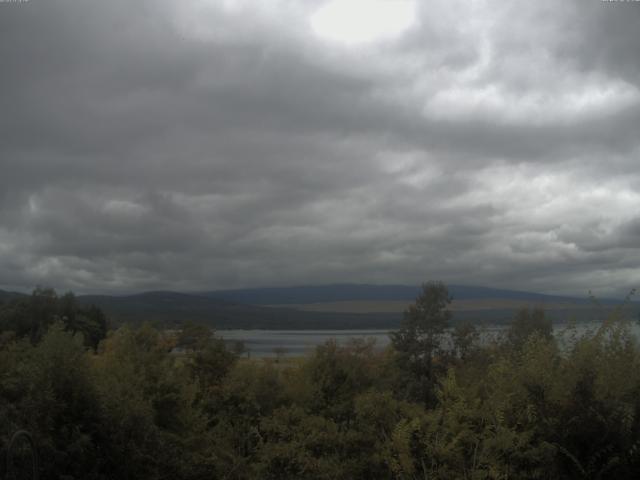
(150, 404)
(30, 317)
(419, 339)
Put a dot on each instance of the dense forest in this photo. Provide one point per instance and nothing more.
(437, 404)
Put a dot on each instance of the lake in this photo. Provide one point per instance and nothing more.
(265, 343)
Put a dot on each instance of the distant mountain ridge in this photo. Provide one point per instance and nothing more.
(5, 296)
(173, 308)
(332, 293)
(280, 308)
(346, 292)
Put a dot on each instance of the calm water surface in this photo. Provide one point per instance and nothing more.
(265, 343)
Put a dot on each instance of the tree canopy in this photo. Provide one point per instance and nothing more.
(136, 407)
(419, 338)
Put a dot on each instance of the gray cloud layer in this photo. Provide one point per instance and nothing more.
(209, 144)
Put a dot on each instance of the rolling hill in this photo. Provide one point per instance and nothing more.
(351, 292)
(7, 296)
(171, 308)
(339, 306)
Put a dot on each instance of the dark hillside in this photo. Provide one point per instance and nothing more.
(170, 308)
(344, 292)
(7, 296)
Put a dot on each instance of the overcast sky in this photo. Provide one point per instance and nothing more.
(206, 144)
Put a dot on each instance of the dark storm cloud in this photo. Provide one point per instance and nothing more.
(196, 145)
(602, 39)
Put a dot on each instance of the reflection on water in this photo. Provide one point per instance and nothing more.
(267, 343)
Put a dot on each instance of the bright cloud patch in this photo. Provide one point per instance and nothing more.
(205, 144)
(363, 21)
